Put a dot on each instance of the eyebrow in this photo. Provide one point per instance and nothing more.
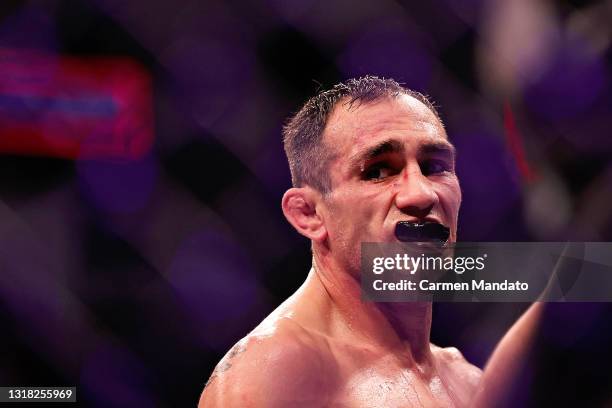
(443, 148)
(387, 146)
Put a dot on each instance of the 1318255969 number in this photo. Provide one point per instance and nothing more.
(16, 394)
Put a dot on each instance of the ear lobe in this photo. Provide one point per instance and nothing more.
(299, 207)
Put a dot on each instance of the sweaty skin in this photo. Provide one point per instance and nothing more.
(308, 353)
(324, 346)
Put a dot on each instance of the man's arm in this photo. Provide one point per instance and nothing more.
(507, 359)
(269, 371)
(510, 355)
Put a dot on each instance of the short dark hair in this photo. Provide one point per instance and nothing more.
(308, 158)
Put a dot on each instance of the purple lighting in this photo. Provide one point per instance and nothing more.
(388, 51)
(212, 74)
(118, 187)
(488, 181)
(572, 83)
(216, 283)
(115, 378)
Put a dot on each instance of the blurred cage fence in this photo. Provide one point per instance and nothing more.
(141, 171)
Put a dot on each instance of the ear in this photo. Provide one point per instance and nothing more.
(300, 209)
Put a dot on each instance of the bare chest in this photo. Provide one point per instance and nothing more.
(370, 389)
(384, 383)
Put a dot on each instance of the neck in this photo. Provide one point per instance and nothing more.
(399, 327)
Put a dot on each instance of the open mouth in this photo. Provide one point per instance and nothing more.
(422, 232)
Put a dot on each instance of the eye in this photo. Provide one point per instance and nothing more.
(378, 171)
(434, 166)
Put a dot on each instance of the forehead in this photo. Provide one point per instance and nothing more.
(352, 128)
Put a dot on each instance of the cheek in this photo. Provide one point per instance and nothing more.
(351, 214)
(450, 198)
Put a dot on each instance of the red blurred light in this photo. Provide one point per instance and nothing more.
(74, 107)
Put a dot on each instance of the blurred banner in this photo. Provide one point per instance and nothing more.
(86, 108)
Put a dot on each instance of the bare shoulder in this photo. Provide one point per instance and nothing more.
(453, 362)
(278, 364)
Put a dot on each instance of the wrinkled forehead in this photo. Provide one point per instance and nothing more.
(350, 127)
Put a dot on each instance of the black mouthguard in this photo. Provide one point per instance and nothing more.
(421, 232)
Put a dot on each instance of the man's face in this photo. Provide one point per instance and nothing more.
(392, 163)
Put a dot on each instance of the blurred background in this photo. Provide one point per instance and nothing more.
(141, 172)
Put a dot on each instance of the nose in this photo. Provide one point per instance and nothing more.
(415, 195)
